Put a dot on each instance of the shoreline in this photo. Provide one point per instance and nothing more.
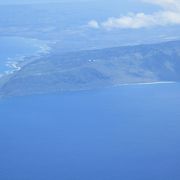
(15, 64)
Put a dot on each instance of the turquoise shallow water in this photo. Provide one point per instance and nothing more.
(127, 132)
(14, 48)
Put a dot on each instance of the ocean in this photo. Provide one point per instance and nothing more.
(126, 132)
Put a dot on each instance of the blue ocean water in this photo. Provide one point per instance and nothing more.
(127, 132)
(15, 48)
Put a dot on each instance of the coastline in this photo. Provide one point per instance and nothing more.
(14, 64)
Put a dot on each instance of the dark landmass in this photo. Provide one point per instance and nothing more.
(85, 70)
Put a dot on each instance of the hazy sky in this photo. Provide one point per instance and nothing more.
(169, 14)
(35, 1)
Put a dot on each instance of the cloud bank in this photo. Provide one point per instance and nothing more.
(169, 15)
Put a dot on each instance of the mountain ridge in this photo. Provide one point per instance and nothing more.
(92, 69)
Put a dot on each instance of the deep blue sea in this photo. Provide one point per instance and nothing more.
(121, 133)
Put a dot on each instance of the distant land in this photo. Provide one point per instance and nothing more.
(92, 69)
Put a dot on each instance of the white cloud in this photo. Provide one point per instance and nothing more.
(169, 15)
(93, 24)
